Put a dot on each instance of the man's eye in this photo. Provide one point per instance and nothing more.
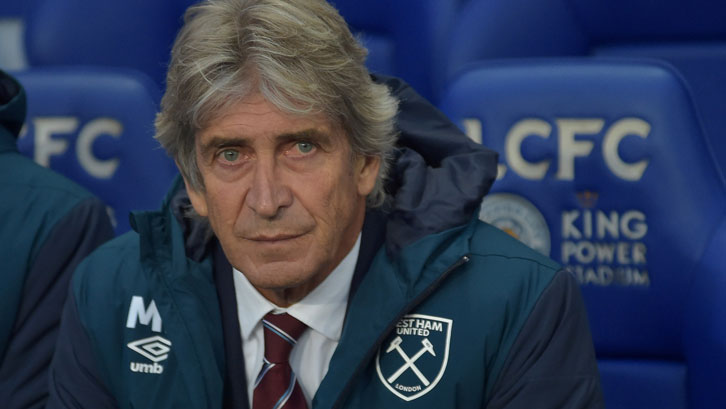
(305, 147)
(230, 155)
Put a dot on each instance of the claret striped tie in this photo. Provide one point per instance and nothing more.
(276, 386)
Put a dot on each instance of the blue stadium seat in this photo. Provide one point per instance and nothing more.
(136, 34)
(604, 167)
(690, 35)
(405, 38)
(12, 8)
(96, 127)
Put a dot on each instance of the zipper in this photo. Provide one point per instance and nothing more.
(408, 307)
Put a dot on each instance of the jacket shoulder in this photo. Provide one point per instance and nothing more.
(108, 269)
(545, 314)
(22, 173)
(38, 199)
(508, 272)
(489, 241)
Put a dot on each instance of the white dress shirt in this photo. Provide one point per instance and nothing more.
(323, 311)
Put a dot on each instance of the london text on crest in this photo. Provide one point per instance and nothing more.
(413, 359)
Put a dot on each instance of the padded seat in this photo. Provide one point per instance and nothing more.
(605, 168)
(134, 34)
(96, 127)
(689, 35)
(405, 38)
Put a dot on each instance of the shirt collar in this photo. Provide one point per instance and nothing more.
(323, 310)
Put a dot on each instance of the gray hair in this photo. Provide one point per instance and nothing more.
(300, 55)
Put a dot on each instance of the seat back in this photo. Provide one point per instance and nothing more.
(690, 36)
(404, 38)
(135, 34)
(604, 167)
(96, 127)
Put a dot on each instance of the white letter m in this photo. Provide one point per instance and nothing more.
(137, 312)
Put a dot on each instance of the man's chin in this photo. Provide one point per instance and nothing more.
(274, 273)
(284, 283)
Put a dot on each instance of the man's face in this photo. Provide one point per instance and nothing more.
(283, 193)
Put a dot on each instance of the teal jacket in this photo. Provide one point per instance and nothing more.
(445, 311)
(49, 224)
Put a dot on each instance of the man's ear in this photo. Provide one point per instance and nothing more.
(366, 169)
(198, 199)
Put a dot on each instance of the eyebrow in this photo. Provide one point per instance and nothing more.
(217, 142)
(311, 134)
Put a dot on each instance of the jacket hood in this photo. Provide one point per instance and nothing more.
(12, 109)
(438, 179)
(440, 176)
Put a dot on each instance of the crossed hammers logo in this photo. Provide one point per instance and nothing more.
(410, 362)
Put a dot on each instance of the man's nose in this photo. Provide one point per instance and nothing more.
(268, 195)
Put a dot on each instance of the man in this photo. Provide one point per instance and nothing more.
(325, 263)
(48, 225)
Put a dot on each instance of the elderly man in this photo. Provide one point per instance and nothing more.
(323, 250)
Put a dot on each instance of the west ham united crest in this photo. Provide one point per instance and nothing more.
(413, 359)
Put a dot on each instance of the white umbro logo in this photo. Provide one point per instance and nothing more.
(154, 348)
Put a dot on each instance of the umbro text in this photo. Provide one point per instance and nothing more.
(147, 368)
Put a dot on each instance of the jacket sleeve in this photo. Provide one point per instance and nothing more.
(74, 380)
(552, 361)
(24, 369)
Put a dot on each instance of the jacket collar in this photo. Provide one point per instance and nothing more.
(440, 175)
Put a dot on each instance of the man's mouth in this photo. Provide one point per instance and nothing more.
(273, 238)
